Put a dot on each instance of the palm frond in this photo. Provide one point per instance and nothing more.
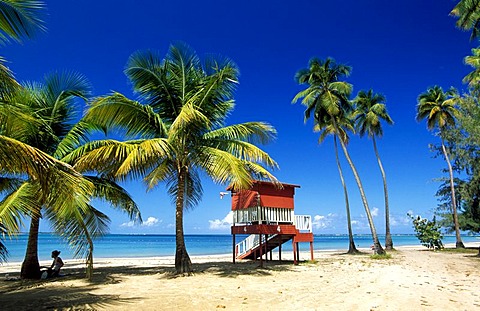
(23, 201)
(118, 197)
(77, 136)
(116, 111)
(20, 19)
(253, 132)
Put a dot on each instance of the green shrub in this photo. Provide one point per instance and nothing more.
(428, 232)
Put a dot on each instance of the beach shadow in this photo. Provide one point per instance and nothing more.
(36, 295)
(244, 267)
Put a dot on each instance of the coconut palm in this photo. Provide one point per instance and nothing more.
(326, 128)
(369, 111)
(468, 13)
(438, 108)
(19, 159)
(325, 93)
(178, 131)
(53, 106)
(20, 19)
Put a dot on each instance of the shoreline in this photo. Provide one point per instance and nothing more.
(168, 260)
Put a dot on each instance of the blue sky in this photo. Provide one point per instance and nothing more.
(398, 48)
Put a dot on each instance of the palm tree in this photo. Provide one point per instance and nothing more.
(178, 131)
(52, 106)
(18, 159)
(369, 111)
(326, 128)
(20, 18)
(473, 78)
(327, 94)
(438, 107)
(468, 13)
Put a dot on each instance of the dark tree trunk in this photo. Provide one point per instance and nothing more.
(376, 243)
(352, 249)
(183, 264)
(459, 243)
(30, 266)
(388, 235)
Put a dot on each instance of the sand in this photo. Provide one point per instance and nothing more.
(413, 279)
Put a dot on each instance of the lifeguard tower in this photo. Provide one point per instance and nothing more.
(266, 213)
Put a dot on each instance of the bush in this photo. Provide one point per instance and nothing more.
(428, 232)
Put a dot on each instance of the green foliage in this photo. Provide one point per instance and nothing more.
(462, 142)
(428, 232)
(381, 256)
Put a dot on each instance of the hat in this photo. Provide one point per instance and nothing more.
(55, 253)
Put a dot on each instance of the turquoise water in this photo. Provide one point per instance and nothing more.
(120, 245)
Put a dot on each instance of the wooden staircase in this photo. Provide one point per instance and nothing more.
(273, 242)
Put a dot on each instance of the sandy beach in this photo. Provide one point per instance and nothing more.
(413, 279)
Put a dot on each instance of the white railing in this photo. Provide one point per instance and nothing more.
(262, 214)
(303, 223)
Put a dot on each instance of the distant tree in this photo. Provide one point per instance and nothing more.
(463, 142)
(325, 127)
(326, 94)
(178, 131)
(428, 232)
(468, 13)
(370, 109)
(438, 107)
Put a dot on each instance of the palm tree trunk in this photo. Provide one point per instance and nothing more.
(30, 266)
(351, 245)
(89, 259)
(459, 243)
(388, 235)
(376, 244)
(183, 264)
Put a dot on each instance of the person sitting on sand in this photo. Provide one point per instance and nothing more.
(57, 264)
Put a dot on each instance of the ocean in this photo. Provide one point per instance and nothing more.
(149, 245)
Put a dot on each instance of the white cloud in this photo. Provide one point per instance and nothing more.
(150, 222)
(128, 224)
(225, 223)
(323, 221)
(401, 220)
(375, 212)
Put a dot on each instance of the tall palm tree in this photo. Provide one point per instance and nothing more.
(325, 93)
(369, 111)
(20, 19)
(438, 107)
(468, 13)
(178, 131)
(326, 128)
(52, 105)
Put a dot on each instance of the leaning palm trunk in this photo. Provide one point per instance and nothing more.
(183, 264)
(388, 235)
(351, 245)
(30, 266)
(377, 247)
(459, 243)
